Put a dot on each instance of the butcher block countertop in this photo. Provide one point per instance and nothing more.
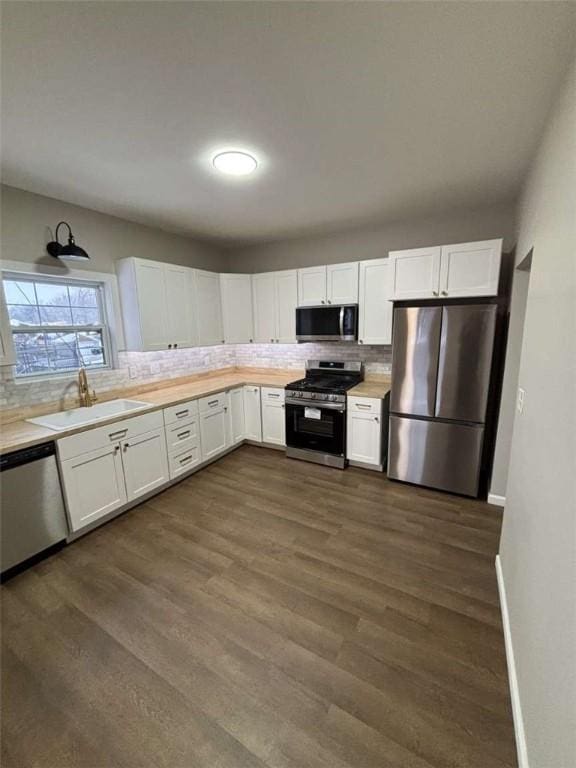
(21, 434)
(373, 386)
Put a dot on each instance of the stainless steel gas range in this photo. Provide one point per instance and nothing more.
(316, 411)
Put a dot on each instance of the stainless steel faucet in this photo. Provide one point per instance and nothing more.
(87, 398)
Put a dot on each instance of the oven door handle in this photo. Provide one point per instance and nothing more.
(341, 322)
(320, 406)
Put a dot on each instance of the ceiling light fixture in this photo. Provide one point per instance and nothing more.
(70, 251)
(235, 163)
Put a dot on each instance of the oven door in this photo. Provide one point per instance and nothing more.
(316, 428)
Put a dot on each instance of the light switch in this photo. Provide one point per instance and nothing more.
(520, 401)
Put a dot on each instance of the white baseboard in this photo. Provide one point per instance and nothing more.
(514, 692)
(499, 501)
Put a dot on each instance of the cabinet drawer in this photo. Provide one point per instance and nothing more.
(182, 436)
(272, 395)
(181, 413)
(184, 461)
(369, 405)
(213, 402)
(92, 439)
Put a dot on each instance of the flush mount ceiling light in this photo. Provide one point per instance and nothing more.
(233, 162)
(69, 251)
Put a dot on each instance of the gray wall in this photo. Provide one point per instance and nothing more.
(538, 545)
(28, 222)
(374, 242)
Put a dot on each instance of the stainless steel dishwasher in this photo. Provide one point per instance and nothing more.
(32, 512)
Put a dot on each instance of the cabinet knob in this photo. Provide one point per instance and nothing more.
(251, 340)
(323, 302)
(169, 346)
(126, 446)
(277, 341)
(360, 341)
(272, 341)
(116, 448)
(435, 293)
(329, 302)
(376, 419)
(444, 293)
(175, 346)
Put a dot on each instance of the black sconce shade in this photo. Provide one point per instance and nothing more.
(70, 251)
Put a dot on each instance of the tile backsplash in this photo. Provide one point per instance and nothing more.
(137, 368)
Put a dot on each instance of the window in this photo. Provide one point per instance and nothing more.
(57, 325)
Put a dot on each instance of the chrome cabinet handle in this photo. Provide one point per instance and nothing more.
(363, 405)
(185, 459)
(118, 435)
(179, 414)
(180, 435)
(212, 403)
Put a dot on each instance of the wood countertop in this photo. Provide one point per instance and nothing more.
(21, 434)
(372, 386)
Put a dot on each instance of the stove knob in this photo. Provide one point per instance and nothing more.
(313, 395)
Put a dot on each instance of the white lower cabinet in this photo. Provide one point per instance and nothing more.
(364, 431)
(236, 420)
(273, 417)
(106, 467)
(214, 425)
(145, 463)
(252, 414)
(93, 484)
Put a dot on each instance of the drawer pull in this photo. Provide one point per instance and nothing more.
(179, 414)
(117, 435)
(186, 459)
(273, 394)
(212, 403)
(363, 405)
(180, 435)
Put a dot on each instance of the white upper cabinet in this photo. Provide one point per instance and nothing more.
(375, 310)
(208, 308)
(470, 269)
(416, 273)
(334, 284)
(448, 271)
(286, 286)
(157, 302)
(342, 283)
(275, 297)
(312, 286)
(180, 319)
(264, 294)
(236, 293)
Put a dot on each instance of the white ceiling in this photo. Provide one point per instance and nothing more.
(358, 111)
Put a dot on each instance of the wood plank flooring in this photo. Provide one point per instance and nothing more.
(264, 612)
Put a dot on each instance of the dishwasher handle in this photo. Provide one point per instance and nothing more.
(26, 455)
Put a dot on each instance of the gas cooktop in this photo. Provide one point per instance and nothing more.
(326, 380)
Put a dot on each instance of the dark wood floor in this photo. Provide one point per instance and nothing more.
(264, 612)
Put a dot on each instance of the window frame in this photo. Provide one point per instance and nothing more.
(111, 318)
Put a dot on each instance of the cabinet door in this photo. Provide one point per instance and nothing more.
(286, 286)
(150, 282)
(342, 283)
(236, 415)
(263, 293)
(273, 416)
(237, 308)
(179, 306)
(364, 438)
(93, 485)
(415, 273)
(311, 286)
(208, 308)
(470, 269)
(252, 414)
(213, 432)
(375, 326)
(145, 461)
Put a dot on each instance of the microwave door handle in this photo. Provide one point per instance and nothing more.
(341, 322)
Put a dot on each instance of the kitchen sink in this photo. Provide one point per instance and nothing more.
(76, 417)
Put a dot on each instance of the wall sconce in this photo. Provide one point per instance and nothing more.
(70, 251)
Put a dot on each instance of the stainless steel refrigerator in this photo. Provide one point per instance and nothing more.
(441, 364)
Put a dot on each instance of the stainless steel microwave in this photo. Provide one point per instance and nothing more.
(332, 323)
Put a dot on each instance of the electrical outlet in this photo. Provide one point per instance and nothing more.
(520, 400)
